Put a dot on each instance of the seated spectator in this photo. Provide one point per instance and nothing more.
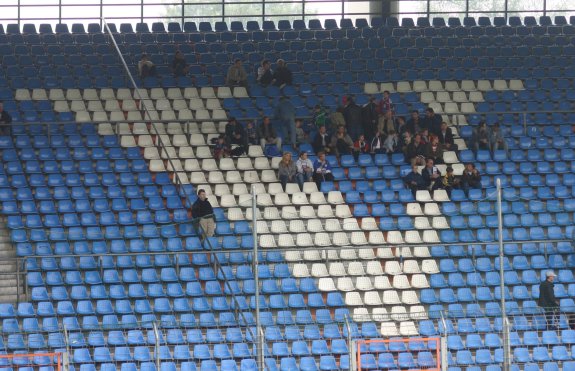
(414, 180)
(321, 170)
(268, 135)
(470, 179)
(450, 181)
(446, 138)
(251, 133)
(377, 143)
(341, 143)
(336, 119)
(319, 117)
(300, 135)
(237, 75)
(235, 133)
(5, 120)
(431, 176)
(386, 123)
(361, 145)
(321, 142)
(391, 143)
(402, 128)
(481, 137)
(221, 149)
(424, 135)
(286, 170)
(414, 123)
(304, 170)
(434, 150)
(265, 73)
(497, 140)
(146, 67)
(414, 151)
(385, 105)
(282, 75)
(179, 65)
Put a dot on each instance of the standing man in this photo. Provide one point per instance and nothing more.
(202, 210)
(353, 119)
(179, 65)
(433, 121)
(548, 302)
(237, 75)
(5, 120)
(267, 134)
(370, 118)
(285, 115)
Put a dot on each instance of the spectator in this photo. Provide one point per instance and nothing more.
(414, 151)
(434, 150)
(285, 115)
(282, 76)
(402, 128)
(235, 133)
(385, 104)
(146, 67)
(425, 137)
(431, 176)
(221, 149)
(321, 141)
(414, 180)
(353, 118)
(265, 73)
(337, 118)
(391, 143)
(300, 135)
(321, 170)
(481, 137)
(287, 170)
(202, 210)
(361, 145)
(237, 75)
(450, 181)
(5, 120)
(548, 301)
(414, 123)
(370, 118)
(319, 117)
(304, 170)
(446, 138)
(471, 179)
(251, 133)
(341, 142)
(179, 65)
(386, 123)
(377, 143)
(267, 134)
(433, 121)
(496, 140)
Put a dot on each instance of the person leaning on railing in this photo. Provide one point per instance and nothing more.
(203, 214)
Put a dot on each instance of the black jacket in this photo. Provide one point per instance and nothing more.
(447, 138)
(282, 76)
(5, 117)
(317, 142)
(547, 295)
(201, 208)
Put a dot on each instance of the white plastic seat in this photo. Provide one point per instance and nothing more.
(385, 253)
(460, 97)
(54, 94)
(292, 188)
(430, 236)
(412, 237)
(191, 93)
(95, 105)
(151, 153)
(117, 116)
(390, 297)
(451, 108)
(484, 85)
(381, 283)
(234, 213)
(358, 239)
(363, 284)
(408, 328)
(476, 96)
(269, 176)
(421, 252)
(468, 85)
(360, 315)
(432, 209)
(180, 105)
(209, 164)
(355, 269)
(319, 270)
(163, 105)
(337, 269)
(240, 92)
(435, 85)
(215, 177)
(174, 93)
(264, 199)
(180, 140)
(174, 165)
(423, 196)
(340, 239)
(304, 240)
(403, 87)
(369, 224)
(192, 165)
(349, 224)
(372, 298)
(401, 282)
(256, 151)
(452, 86)
(380, 315)
(292, 256)
(203, 152)
(411, 267)
(389, 329)
(399, 313)
(197, 140)
(307, 212)
(403, 252)
(78, 106)
(157, 166)
(387, 86)
(516, 85)
(309, 187)
(300, 271)
(465, 108)
(450, 157)
(157, 93)
(251, 176)
(185, 115)
(414, 209)
(145, 141)
(439, 222)
(353, 299)
(332, 225)
(61, 106)
(207, 92)
(427, 97)
(244, 163)
(285, 240)
(335, 198)
(366, 254)
(296, 226)
(393, 268)
(419, 281)
(224, 92)
(83, 116)
(22, 94)
(278, 226)
(105, 129)
(228, 200)
(443, 97)
(418, 313)
(343, 212)
(261, 163)
(322, 239)
(419, 86)
(370, 88)
(317, 198)
(314, 226)
(374, 268)
(270, 213)
(394, 237)
(500, 85)
(267, 241)
(213, 104)
(134, 116)
(290, 213)
(197, 177)
(326, 284)
(376, 238)
(421, 222)
(429, 266)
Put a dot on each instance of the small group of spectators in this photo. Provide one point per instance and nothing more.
(431, 179)
(486, 138)
(303, 170)
(282, 76)
(178, 67)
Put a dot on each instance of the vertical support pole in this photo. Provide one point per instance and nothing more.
(255, 262)
(506, 350)
(67, 338)
(157, 345)
(443, 354)
(524, 123)
(350, 345)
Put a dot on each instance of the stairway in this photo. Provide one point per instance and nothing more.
(10, 287)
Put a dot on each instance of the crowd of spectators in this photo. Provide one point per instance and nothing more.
(430, 178)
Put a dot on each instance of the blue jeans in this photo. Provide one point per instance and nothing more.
(287, 128)
(301, 178)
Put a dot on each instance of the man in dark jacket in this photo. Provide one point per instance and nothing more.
(547, 300)
(322, 141)
(432, 121)
(414, 180)
(235, 133)
(470, 179)
(446, 138)
(431, 176)
(267, 134)
(202, 210)
(370, 119)
(5, 120)
(282, 75)
(353, 117)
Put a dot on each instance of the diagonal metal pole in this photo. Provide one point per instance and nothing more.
(506, 349)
